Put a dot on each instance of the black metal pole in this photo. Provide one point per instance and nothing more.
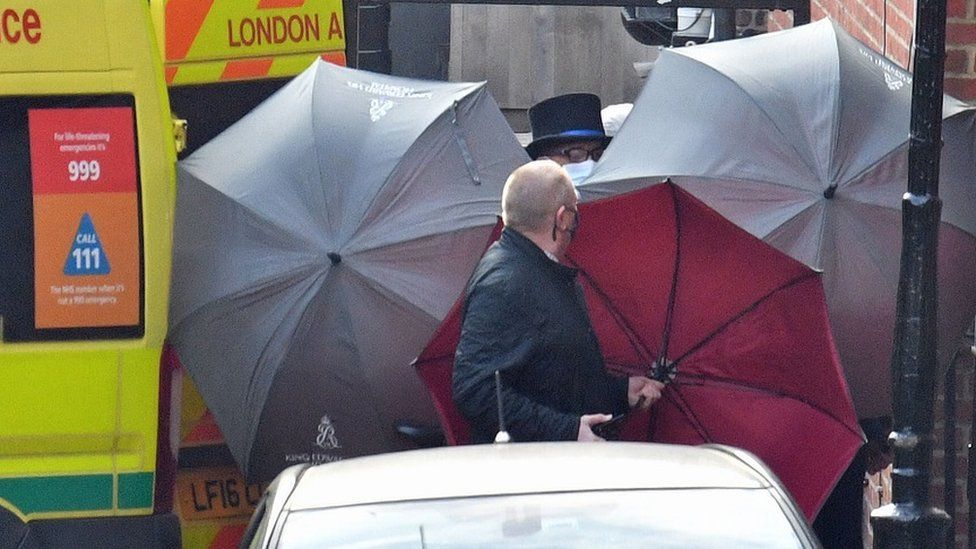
(724, 24)
(801, 14)
(910, 521)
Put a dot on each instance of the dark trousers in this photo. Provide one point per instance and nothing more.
(839, 523)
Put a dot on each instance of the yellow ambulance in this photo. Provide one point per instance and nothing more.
(93, 411)
(86, 201)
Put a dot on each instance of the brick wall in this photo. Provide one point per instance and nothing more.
(889, 26)
(964, 414)
(961, 49)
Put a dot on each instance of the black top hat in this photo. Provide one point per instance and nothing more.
(565, 118)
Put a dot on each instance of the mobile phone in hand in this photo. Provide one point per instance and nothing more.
(609, 430)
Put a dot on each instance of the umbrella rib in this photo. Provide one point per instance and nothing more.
(705, 340)
(820, 236)
(755, 102)
(859, 177)
(629, 332)
(702, 380)
(816, 193)
(390, 294)
(818, 197)
(261, 285)
(595, 189)
(259, 215)
(313, 286)
(397, 171)
(793, 145)
(786, 222)
(666, 336)
(679, 401)
(318, 158)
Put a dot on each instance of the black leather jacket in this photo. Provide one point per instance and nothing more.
(526, 316)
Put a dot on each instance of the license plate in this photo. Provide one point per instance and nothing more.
(216, 492)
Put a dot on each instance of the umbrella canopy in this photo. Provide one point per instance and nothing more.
(318, 243)
(800, 137)
(740, 329)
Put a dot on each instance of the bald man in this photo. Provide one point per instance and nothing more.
(526, 317)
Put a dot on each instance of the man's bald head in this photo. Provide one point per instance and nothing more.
(533, 193)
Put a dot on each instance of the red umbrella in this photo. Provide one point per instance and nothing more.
(740, 328)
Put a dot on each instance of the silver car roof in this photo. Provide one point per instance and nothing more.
(522, 468)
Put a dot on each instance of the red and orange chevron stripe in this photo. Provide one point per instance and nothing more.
(219, 40)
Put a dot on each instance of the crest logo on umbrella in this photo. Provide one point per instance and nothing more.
(893, 83)
(326, 438)
(895, 77)
(378, 108)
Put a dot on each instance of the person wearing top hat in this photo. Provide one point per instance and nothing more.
(568, 129)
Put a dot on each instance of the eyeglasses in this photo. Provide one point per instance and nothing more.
(579, 154)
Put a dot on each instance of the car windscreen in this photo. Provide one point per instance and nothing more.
(683, 519)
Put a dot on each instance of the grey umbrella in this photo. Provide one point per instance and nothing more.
(801, 138)
(318, 244)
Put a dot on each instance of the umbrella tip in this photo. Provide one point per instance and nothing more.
(829, 191)
(502, 437)
(334, 258)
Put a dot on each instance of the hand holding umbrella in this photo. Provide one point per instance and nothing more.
(642, 392)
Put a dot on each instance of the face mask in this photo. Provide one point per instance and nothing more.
(580, 170)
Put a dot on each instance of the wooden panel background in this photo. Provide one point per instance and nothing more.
(530, 53)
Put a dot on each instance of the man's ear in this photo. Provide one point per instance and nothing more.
(560, 214)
